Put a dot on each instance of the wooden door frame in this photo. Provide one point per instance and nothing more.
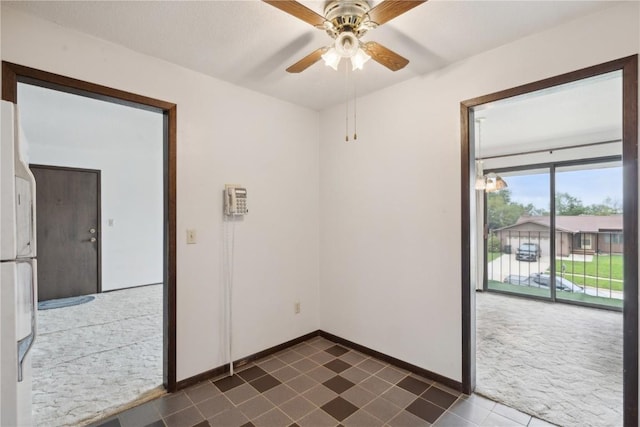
(98, 173)
(12, 74)
(629, 68)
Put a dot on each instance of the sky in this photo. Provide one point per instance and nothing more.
(591, 186)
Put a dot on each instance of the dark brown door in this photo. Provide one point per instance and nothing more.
(68, 231)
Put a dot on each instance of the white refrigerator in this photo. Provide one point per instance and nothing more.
(18, 288)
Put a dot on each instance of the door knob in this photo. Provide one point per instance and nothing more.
(93, 240)
(92, 231)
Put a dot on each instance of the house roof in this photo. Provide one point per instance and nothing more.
(574, 223)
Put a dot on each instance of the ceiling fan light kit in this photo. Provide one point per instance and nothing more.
(359, 59)
(331, 58)
(494, 183)
(346, 45)
(346, 21)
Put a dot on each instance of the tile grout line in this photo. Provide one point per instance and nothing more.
(300, 394)
(314, 407)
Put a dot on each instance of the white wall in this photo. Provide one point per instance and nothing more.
(125, 144)
(225, 135)
(390, 204)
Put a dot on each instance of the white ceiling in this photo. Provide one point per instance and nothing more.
(250, 43)
(69, 121)
(582, 112)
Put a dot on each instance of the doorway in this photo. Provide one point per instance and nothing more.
(68, 233)
(78, 341)
(13, 74)
(471, 277)
(548, 321)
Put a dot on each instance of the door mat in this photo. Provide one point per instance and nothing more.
(64, 302)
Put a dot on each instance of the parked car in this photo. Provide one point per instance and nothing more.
(562, 284)
(514, 279)
(542, 281)
(528, 252)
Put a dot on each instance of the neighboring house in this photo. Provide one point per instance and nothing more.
(581, 234)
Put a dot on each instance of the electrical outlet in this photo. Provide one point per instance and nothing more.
(191, 237)
(296, 308)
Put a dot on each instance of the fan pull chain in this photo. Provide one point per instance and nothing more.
(346, 116)
(355, 111)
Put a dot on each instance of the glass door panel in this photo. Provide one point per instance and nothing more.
(518, 224)
(589, 246)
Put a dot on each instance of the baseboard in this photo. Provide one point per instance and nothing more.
(130, 287)
(216, 372)
(220, 370)
(456, 385)
(203, 376)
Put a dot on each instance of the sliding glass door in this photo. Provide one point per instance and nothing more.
(556, 233)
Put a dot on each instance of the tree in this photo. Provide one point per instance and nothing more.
(493, 243)
(568, 205)
(533, 211)
(501, 211)
(607, 207)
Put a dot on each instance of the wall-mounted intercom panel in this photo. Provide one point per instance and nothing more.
(235, 200)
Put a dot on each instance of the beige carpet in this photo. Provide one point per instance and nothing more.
(558, 362)
(91, 359)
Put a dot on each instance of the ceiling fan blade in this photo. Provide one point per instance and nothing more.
(389, 9)
(385, 56)
(298, 10)
(307, 61)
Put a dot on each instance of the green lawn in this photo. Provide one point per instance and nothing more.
(568, 296)
(603, 283)
(493, 255)
(600, 266)
(607, 271)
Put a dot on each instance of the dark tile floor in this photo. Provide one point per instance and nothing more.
(319, 384)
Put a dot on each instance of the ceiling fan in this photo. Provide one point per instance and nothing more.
(346, 21)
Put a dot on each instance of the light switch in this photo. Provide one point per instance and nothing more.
(191, 237)
(111, 222)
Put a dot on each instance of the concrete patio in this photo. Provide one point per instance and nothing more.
(92, 359)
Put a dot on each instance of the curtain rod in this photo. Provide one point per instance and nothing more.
(550, 150)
